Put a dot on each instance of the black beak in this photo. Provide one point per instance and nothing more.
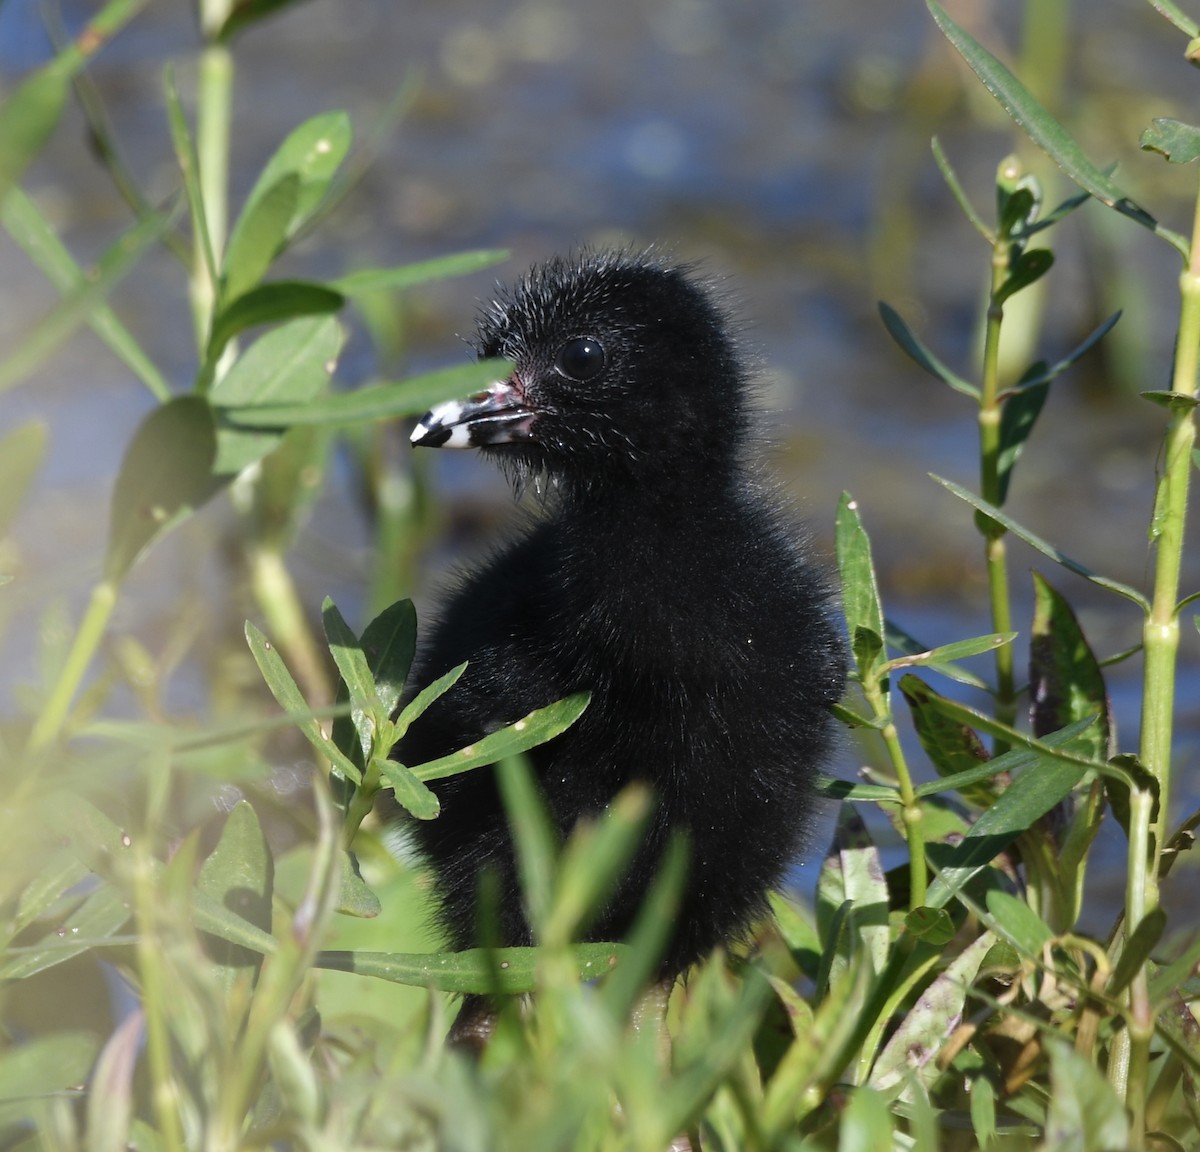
(498, 415)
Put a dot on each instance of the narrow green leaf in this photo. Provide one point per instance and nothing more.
(100, 915)
(1171, 11)
(1172, 401)
(539, 726)
(1037, 542)
(1019, 924)
(473, 971)
(350, 659)
(1039, 374)
(41, 1065)
(289, 190)
(920, 354)
(958, 650)
(355, 898)
(1065, 681)
(28, 118)
(1030, 267)
(1083, 1109)
(860, 592)
(959, 194)
(189, 166)
(1046, 132)
(165, 475)
(379, 402)
(1060, 212)
(924, 1029)
(1139, 946)
(78, 305)
(239, 875)
(1017, 418)
(534, 835)
(1177, 141)
(21, 453)
(851, 877)
(423, 699)
(267, 304)
(390, 641)
(411, 275)
(283, 688)
(290, 364)
(411, 793)
(833, 789)
(953, 748)
(903, 642)
(24, 222)
(866, 1122)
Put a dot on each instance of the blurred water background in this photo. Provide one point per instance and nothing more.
(783, 145)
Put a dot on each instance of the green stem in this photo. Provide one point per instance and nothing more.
(214, 115)
(91, 631)
(1148, 817)
(910, 811)
(995, 550)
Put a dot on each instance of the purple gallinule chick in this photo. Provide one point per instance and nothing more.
(663, 576)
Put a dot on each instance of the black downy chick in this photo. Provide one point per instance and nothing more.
(665, 580)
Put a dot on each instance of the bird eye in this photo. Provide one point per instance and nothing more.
(580, 359)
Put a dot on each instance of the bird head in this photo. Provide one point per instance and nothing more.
(624, 368)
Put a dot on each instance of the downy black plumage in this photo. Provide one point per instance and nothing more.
(664, 578)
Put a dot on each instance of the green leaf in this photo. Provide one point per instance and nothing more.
(1019, 924)
(1017, 418)
(25, 223)
(283, 688)
(900, 641)
(959, 194)
(290, 364)
(932, 925)
(1065, 681)
(1083, 1110)
(390, 641)
(267, 304)
(423, 699)
(411, 793)
(926, 1026)
(286, 194)
(351, 662)
(411, 275)
(1177, 141)
(379, 402)
(21, 453)
(243, 13)
(1030, 267)
(851, 879)
(994, 513)
(239, 876)
(540, 725)
(952, 747)
(1046, 132)
(1137, 951)
(1172, 401)
(920, 354)
(860, 592)
(355, 898)
(866, 1122)
(81, 302)
(834, 789)
(100, 915)
(1171, 11)
(957, 650)
(28, 118)
(166, 474)
(189, 166)
(41, 1066)
(1039, 374)
(534, 835)
(473, 971)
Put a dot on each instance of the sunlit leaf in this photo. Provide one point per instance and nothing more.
(1046, 132)
(412, 794)
(539, 726)
(268, 304)
(1173, 139)
(860, 592)
(474, 970)
(411, 275)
